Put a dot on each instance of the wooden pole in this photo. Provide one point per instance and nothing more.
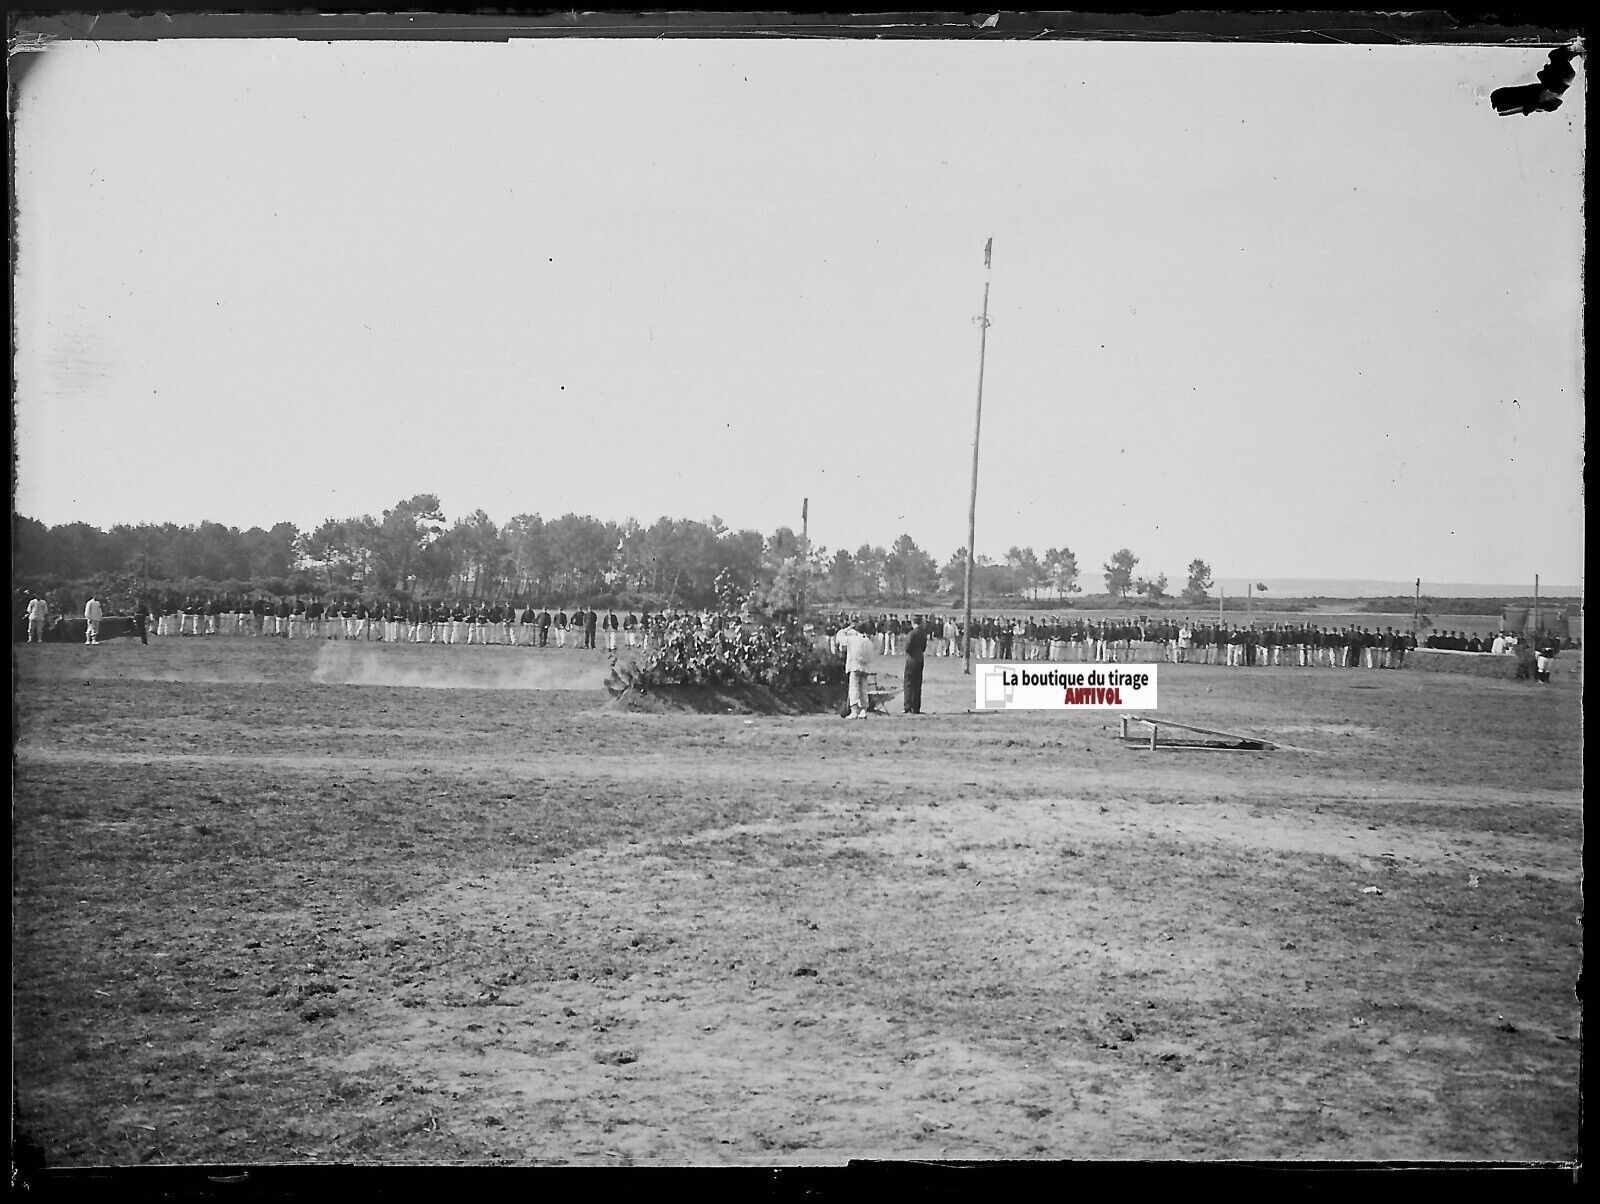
(1416, 609)
(1536, 606)
(805, 555)
(977, 427)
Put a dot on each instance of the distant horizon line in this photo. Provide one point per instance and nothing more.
(1370, 587)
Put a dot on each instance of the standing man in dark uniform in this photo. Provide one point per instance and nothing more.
(911, 690)
(590, 622)
(544, 626)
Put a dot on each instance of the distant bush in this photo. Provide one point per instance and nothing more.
(729, 648)
(727, 652)
(1518, 667)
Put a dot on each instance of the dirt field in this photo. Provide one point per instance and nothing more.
(269, 907)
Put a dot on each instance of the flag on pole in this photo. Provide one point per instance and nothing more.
(987, 247)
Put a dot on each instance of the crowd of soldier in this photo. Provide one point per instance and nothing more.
(996, 637)
(1459, 641)
(440, 622)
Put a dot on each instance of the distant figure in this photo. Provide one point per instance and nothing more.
(1544, 657)
(857, 649)
(1527, 661)
(1395, 645)
(911, 690)
(92, 614)
(141, 622)
(38, 611)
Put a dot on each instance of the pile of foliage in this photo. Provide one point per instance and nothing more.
(731, 646)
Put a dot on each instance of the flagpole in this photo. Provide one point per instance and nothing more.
(977, 426)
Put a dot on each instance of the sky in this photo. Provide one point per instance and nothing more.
(1296, 310)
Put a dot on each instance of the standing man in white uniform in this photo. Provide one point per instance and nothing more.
(38, 611)
(92, 614)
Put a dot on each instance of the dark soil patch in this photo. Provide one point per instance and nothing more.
(737, 700)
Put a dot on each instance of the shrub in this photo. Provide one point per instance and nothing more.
(725, 648)
(723, 651)
(1481, 664)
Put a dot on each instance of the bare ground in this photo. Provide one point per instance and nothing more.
(260, 916)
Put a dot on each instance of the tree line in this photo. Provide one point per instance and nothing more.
(412, 550)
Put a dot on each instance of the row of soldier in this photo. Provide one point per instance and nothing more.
(997, 637)
(1460, 641)
(440, 622)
